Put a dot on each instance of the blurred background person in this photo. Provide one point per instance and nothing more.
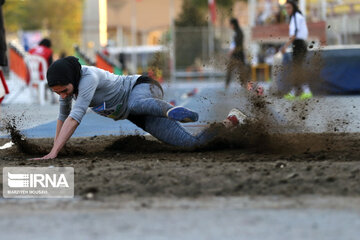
(298, 33)
(3, 58)
(44, 50)
(236, 54)
(122, 61)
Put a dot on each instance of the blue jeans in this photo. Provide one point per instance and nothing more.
(148, 111)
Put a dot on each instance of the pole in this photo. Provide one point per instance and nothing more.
(172, 42)
(252, 11)
(302, 6)
(211, 40)
(248, 34)
(119, 37)
(323, 9)
(133, 35)
(345, 29)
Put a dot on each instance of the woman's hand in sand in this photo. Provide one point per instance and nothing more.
(48, 156)
(64, 132)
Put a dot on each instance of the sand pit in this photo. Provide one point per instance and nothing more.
(256, 159)
(262, 161)
(295, 164)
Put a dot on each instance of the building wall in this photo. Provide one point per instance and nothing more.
(152, 19)
(344, 29)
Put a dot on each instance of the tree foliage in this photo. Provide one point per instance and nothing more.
(190, 16)
(188, 35)
(60, 18)
(189, 42)
(224, 8)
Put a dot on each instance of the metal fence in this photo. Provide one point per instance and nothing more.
(197, 46)
(200, 52)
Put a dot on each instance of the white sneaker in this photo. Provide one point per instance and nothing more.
(234, 118)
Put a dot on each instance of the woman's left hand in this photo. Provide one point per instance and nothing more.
(65, 133)
(48, 156)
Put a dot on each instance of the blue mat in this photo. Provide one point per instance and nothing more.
(339, 71)
(91, 125)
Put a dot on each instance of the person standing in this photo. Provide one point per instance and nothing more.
(298, 33)
(237, 56)
(44, 50)
(3, 58)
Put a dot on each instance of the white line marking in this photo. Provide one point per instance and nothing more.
(7, 145)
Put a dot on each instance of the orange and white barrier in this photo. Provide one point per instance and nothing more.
(31, 71)
(18, 68)
(102, 63)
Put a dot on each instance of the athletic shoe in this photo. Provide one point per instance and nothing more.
(250, 86)
(254, 87)
(259, 91)
(307, 95)
(289, 96)
(182, 114)
(234, 118)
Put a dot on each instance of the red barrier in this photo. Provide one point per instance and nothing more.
(103, 64)
(18, 65)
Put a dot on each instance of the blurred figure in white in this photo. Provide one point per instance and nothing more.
(298, 33)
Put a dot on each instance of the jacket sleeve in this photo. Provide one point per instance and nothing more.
(65, 108)
(292, 26)
(87, 87)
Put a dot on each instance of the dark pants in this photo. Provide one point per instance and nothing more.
(298, 78)
(237, 63)
(299, 51)
(148, 111)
